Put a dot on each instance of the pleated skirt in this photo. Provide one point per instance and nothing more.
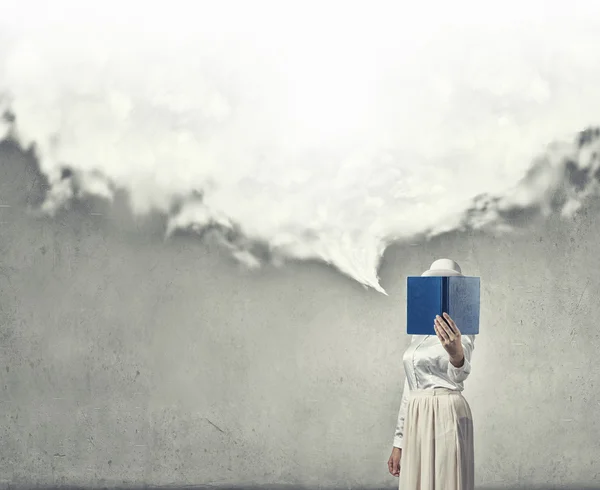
(437, 451)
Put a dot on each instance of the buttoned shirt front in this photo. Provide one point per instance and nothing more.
(427, 365)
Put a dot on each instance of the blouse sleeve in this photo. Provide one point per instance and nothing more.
(459, 374)
(399, 434)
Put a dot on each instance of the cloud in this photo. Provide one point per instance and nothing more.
(289, 142)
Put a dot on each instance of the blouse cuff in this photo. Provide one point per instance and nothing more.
(464, 369)
(398, 442)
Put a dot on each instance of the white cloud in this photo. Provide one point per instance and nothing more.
(325, 132)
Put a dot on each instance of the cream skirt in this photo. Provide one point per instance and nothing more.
(437, 451)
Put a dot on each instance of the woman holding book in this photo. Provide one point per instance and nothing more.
(433, 442)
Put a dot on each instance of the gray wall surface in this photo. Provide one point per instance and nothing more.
(129, 360)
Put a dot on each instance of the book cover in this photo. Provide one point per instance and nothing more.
(428, 296)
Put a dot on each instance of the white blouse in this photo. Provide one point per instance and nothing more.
(427, 365)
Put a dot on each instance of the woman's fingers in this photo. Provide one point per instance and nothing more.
(449, 327)
(450, 322)
(394, 466)
(445, 326)
(443, 329)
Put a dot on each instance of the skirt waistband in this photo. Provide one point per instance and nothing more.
(435, 392)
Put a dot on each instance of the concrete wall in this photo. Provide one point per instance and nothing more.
(126, 360)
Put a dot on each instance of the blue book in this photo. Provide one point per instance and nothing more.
(429, 296)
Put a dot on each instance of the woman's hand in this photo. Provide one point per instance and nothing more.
(449, 336)
(394, 461)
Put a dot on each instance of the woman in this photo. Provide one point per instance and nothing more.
(433, 443)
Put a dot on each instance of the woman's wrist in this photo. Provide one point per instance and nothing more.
(457, 361)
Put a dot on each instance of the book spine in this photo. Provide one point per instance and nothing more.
(445, 299)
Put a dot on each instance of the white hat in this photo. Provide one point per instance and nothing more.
(443, 267)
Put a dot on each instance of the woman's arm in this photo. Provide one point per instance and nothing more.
(399, 434)
(459, 370)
